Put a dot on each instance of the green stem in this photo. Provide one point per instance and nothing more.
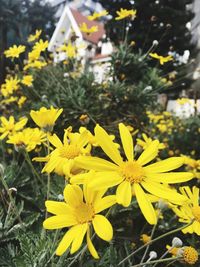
(156, 261)
(11, 199)
(154, 240)
(152, 234)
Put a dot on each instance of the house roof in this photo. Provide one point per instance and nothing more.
(94, 37)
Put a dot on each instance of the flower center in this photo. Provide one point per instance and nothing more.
(196, 213)
(190, 255)
(132, 172)
(69, 152)
(85, 213)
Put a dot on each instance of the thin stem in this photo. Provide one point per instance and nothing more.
(156, 261)
(164, 254)
(11, 199)
(48, 177)
(154, 240)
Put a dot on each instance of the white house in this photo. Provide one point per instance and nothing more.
(93, 48)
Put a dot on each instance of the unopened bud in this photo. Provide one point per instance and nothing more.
(177, 242)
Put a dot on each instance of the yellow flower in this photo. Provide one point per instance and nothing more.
(84, 28)
(80, 212)
(96, 15)
(133, 175)
(61, 159)
(15, 51)
(190, 255)
(21, 101)
(183, 101)
(145, 238)
(28, 139)
(161, 59)
(9, 126)
(27, 80)
(147, 142)
(69, 49)
(9, 100)
(36, 64)
(46, 118)
(33, 55)
(190, 210)
(124, 13)
(41, 45)
(33, 37)
(11, 84)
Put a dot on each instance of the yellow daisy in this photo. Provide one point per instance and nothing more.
(190, 211)
(84, 28)
(96, 15)
(133, 175)
(124, 13)
(15, 51)
(33, 37)
(9, 126)
(80, 212)
(46, 118)
(27, 80)
(161, 59)
(61, 159)
(147, 141)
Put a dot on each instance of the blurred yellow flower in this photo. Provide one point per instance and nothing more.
(84, 28)
(147, 142)
(11, 84)
(21, 101)
(33, 37)
(27, 80)
(96, 15)
(69, 49)
(183, 101)
(8, 127)
(124, 13)
(14, 51)
(80, 212)
(28, 139)
(46, 118)
(190, 210)
(41, 45)
(36, 64)
(161, 59)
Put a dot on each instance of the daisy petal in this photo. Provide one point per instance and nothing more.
(127, 141)
(171, 177)
(94, 163)
(149, 153)
(73, 195)
(102, 227)
(91, 247)
(145, 205)
(105, 180)
(165, 165)
(163, 192)
(59, 221)
(57, 208)
(66, 240)
(124, 194)
(107, 145)
(78, 240)
(104, 203)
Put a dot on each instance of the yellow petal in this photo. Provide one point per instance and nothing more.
(91, 248)
(66, 240)
(73, 195)
(145, 205)
(107, 145)
(149, 153)
(163, 192)
(59, 221)
(57, 208)
(78, 239)
(102, 227)
(127, 141)
(80, 178)
(104, 203)
(55, 141)
(124, 194)
(165, 165)
(94, 163)
(105, 180)
(171, 177)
